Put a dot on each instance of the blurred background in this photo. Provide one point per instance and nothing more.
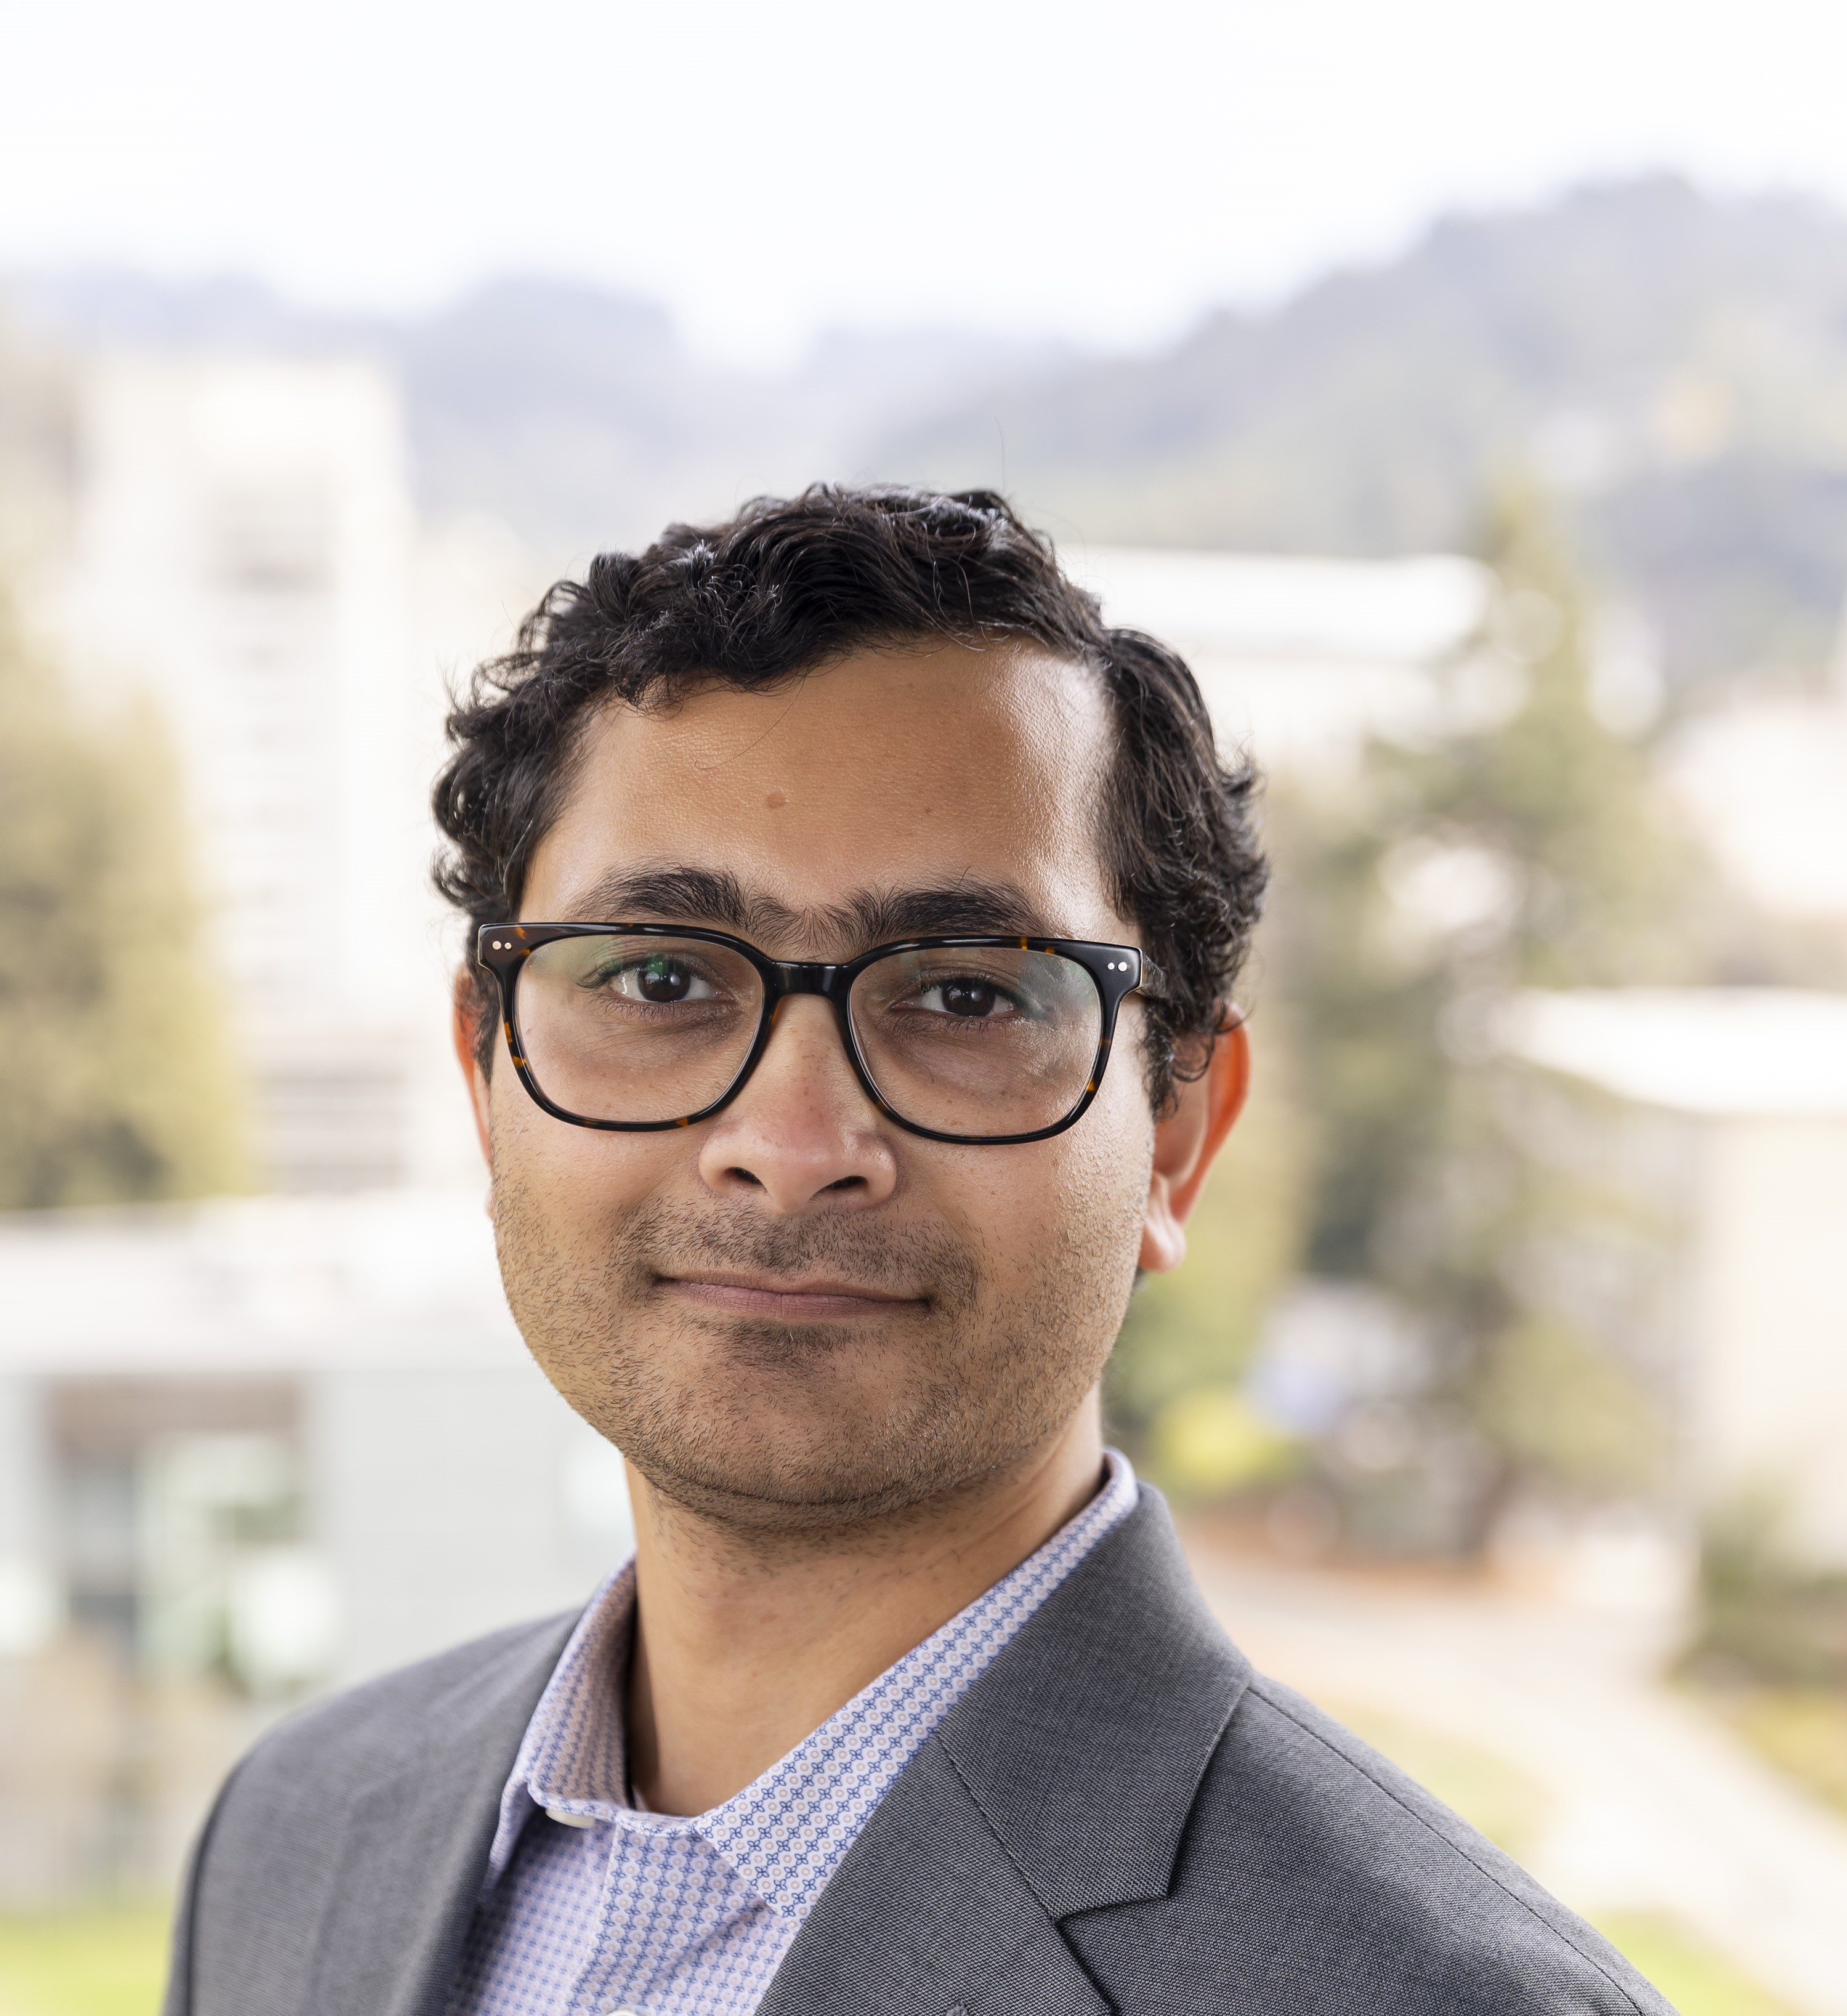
(1463, 391)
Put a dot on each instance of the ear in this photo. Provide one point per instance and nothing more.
(1186, 1144)
(464, 1028)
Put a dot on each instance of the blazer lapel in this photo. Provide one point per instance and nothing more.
(414, 1851)
(1061, 1783)
(928, 1916)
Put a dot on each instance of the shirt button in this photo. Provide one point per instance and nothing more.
(577, 1820)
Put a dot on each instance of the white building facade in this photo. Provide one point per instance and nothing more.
(1301, 658)
(1715, 1122)
(250, 1451)
(246, 550)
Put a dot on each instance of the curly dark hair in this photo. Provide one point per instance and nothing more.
(792, 585)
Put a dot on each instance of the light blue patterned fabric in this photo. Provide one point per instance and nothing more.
(670, 1917)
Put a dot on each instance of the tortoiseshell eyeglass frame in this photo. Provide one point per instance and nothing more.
(1116, 971)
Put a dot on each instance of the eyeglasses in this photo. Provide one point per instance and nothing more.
(636, 1027)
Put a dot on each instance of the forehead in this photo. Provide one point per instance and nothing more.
(889, 770)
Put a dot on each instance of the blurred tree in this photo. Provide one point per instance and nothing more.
(37, 447)
(1172, 1387)
(119, 1085)
(1528, 849)
(1767, 1614)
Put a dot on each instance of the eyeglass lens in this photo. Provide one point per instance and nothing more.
(974, 1041)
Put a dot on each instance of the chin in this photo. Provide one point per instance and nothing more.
(781, 1459)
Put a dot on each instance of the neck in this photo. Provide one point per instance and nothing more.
(740, 1653)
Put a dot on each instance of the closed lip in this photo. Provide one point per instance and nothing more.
(748, 1292)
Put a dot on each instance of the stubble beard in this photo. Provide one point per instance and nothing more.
(793, 1432)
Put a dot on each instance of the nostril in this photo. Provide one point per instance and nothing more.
(848, 1183)
(744, 1176)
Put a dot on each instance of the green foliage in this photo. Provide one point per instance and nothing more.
(1210, 1441)
(1540, 831)
(1364, 1021)
(1192, 1332)
(1695, 1979)
(1528, 850)
(1800, 1731)
(118, 1087)
(108, 1961)
(1600, 890)
(1558, 1405)
(1766, 1618)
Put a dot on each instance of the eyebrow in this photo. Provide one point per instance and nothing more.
(718, 898)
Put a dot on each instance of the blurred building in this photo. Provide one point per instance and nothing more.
(245, 548)
(1300, 658)
(257, 1448)
(1704, 1132)
(249, 1450)
(1764, 777)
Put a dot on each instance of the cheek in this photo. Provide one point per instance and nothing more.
(1111, 1155)
(1077, 1199)
(584, 1176)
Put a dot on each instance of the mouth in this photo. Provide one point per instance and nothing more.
(782, 1298)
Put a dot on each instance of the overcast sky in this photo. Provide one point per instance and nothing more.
(1103, 173)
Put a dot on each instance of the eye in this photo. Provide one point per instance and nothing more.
(966, 995)
(663, 979)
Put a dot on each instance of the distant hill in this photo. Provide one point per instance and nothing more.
(1675, 365)
(575, 414)
(580, 417)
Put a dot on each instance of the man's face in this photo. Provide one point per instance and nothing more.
(795, 1314)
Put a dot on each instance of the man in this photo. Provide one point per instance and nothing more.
(854, 920)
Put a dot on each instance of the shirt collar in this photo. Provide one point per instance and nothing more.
(787, 1832)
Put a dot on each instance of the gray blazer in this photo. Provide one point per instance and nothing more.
(1119, 1816)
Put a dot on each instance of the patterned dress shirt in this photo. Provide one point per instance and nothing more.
(593, 1905)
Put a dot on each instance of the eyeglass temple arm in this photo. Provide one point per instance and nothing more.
(1153, 983)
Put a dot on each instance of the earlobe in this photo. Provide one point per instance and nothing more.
(1186, 1144)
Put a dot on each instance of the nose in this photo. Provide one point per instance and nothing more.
(802, 1133)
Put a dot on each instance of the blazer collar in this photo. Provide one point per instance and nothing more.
(1061, 1783)
(1085, 1743)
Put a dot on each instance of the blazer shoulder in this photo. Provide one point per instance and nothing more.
(382, 1724)
(342, 1854)
(1319, 1875)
